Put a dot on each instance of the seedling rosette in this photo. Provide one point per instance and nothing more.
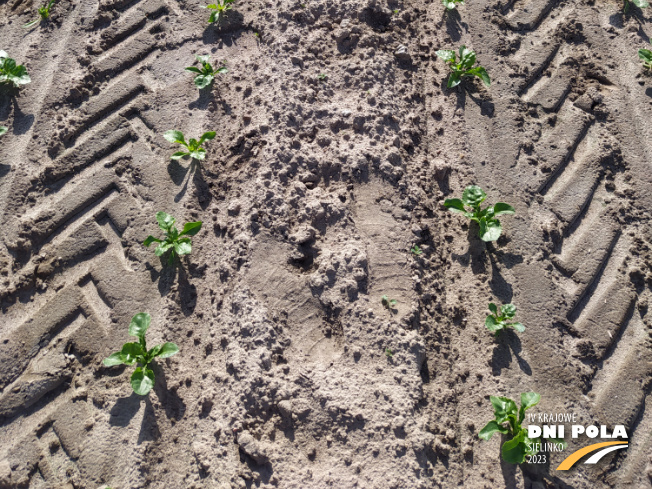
(490, 228)
(194, 149)
(497, 321)
(12, 73)
(205, 74)
(388, 303)
(463, 67)
(175, 242)
(142, 380)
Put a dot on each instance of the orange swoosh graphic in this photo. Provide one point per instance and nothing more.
(575, 456)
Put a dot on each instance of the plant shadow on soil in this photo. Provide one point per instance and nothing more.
(125, 408)
(8, 100)
(206, 97)
(475, 256)
(618, 21)
(180, 174)
(454, 25)
(471, 86)
(506, 343)
(533, 474)
(226, 32)
(167, 277)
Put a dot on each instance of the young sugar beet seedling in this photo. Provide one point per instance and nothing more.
(142, 380)
(497, 320)
(219, 8)
(451, 4)
(389, 304)
(43, 14)
(508, 419)
(646, 57)
(473, 196)
(464, 67)
(12, 73)
(3, 130)
(177, 243)
(206, 74)
(195, 150)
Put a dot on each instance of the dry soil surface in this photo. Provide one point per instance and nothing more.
(337, 142)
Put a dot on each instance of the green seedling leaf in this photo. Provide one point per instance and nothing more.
(451, 4)
(194, 149)
(490, 229)
(131, 352)
(179, 155)
(455, 205)
(205, 74)
(473, 196)
(518, 327)
(506, 422)
(646, 56)
(501, 208)
(490, 428)
(207, 136)
(154, 352)
(162, 248)
(165, 221)
(528, 400)
(389, 353)
(167, 350)
(116, 358)
(219, 10)
(464, 66)
(514, 450)
(191, 228)
(508, 310)
(142, 379)
(139, 324)
(446, 54)
(469, 205)
(453, 80)
(497, 321)
(11, 73)
(416, 251)
(175, 242)
(175, 137)
(151, 239)
(200, 154)
(504, 408)
(183, 246)
(3, 130)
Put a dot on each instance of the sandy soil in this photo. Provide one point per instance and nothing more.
(312, 195)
